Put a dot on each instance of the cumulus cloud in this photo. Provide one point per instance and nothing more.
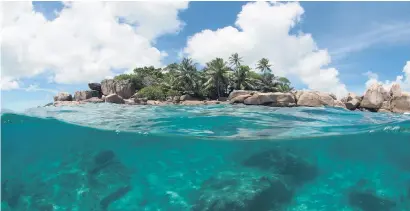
(262, 29)
(6, 83)
(403, 80)
(86, 41)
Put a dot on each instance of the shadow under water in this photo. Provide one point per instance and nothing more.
(51, 165)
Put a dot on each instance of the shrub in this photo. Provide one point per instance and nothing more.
(152, 93)
(136, 80)
(172, 93)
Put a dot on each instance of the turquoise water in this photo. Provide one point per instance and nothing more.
(203, 158)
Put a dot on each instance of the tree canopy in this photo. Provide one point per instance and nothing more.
(217, 79)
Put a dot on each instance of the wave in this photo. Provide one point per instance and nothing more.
(226, 121)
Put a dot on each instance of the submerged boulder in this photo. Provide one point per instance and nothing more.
(236, 93)
(87, 94)
(274, 99)
(374, 97)
(123, 88)
(368, 201)
(114, 98)
(242, 191)
(104, 157)
(63, 96)
(283, 162)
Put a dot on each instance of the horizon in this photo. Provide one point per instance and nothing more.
(335, 47)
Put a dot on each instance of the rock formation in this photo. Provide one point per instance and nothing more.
(274, 99)
(114, 98)
(63, 96)
(123, 88)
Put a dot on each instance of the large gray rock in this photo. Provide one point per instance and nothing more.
(95, 86)
(401, 104)
(273, 99)
(124, 88)
(314, 99)
(239, 99)
(340, 104)
(386, 105)
(87, 94)
(374, 97)
(395, 90)
(236, 93)
(352, 96)
(352, 104)
(114, 98)
(176, 99)
(63, 96)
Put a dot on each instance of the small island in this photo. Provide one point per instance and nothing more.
(222, 82)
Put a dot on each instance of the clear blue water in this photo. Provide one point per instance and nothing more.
(204, 158)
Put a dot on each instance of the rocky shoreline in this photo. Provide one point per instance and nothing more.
(375, 99)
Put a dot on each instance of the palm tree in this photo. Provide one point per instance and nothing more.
(235, 60)
(216, 75)
(284, 88)
(283, 85)
(185, 76)
(244, 78)
(263, 65)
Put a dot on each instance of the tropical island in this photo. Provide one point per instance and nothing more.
(221, 82)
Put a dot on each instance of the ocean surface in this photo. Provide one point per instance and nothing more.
(99, 157)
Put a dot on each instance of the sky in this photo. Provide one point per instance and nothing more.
(338, 47)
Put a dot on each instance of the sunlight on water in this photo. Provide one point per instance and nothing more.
(116, 157)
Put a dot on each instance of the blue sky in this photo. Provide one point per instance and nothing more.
(358, 36)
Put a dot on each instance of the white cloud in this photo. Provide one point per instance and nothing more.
(262, 30)
(85, 41)
(403, 80)
(392, 33)
(7, 83)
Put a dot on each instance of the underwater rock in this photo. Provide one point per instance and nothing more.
(104, 157)
(368, 201)
(243, 191)
(119, 193)
(11, 193)
(284, 163)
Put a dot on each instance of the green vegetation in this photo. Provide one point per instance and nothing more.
(217, 79)
(152, 93)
